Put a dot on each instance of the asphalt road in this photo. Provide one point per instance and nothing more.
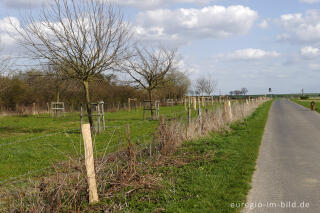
(288, 167)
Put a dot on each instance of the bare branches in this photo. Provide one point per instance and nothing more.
(149, 67)
(5, 62)
(244, 91)
(206, 85)
(83, 37)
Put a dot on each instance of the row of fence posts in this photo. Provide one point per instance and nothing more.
(88, 146)
(197, 102)
(227, 109)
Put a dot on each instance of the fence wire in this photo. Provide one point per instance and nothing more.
(108, 148)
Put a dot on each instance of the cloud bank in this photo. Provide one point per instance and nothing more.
(250, 54)
(184, 24)
(301, 28)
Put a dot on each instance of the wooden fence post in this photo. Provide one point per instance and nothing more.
(129, 105)
(185, 103)
(230, 110)
(188, 123)
(33, 108)
(200, 116)
(212, 101)
(89, 161)
(194, 103)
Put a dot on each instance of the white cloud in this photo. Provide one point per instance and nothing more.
(304, 28)
(309, 52)
(250, 54)
(264, 24)
(310, 1)
(185, 24)
(24, 3)
(7, 32)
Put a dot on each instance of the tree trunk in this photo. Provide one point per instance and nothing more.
(151, 103)
(86, 89)
(58, 93)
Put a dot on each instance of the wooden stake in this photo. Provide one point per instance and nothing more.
(129, 105)
(33, 108)
(89, 161)
(189, 123)
(212, 101)
(200, 115)
(185, 103)
(230, 110)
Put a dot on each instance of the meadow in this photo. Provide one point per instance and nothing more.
(31, 144)
(158, 166)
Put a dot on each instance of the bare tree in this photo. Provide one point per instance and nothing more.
(60, 82)
(5, 63)
(210, 86)
(82, 37)
(244, 91)
(148, 67)
(206, 85)
(201, 85)
(237, 92)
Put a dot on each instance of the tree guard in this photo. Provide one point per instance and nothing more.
(57, 109)
(152, 106)
(132, 104)
(170, 102)
(97, 109)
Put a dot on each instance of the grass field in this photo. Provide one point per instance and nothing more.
(218, 171)
(31, 144)
(307, 103)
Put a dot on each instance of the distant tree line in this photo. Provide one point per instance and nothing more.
(38, 86)
(243, 91)
(88, 50)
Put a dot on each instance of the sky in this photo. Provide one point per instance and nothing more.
(258, 44)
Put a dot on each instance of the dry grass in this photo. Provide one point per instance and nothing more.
(125, 171)
(66, 190)
(172, 135)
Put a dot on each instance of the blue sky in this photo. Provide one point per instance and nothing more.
(240, 43)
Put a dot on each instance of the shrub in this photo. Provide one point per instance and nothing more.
(304, 97)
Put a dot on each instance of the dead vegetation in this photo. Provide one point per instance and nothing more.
(121, 173)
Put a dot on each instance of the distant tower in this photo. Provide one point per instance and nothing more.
(302, 92)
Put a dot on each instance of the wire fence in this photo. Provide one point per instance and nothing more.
(67, 148)
(113, 143)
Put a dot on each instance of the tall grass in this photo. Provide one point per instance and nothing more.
(172, 134)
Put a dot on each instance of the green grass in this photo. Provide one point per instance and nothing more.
(218, 171)
(31, 143)
(307, 103)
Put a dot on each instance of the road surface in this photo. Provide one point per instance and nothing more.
(287, 177)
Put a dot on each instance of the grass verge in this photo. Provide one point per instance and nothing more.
(208, 174)
(307, 103)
